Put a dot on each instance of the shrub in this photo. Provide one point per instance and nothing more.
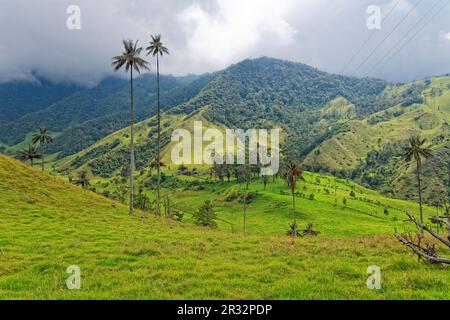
(205, 215)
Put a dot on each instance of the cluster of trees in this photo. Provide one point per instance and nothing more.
(131, 61)
(32, 152)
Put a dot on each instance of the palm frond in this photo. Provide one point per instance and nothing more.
(156, 47)
(130, 58)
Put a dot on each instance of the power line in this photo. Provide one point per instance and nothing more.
(387, 37)
(372, 34)
(403, 43)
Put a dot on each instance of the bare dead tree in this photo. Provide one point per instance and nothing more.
(426, 251)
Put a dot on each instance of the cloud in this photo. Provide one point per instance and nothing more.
(235, 29)
(444, 35)
(208, 35)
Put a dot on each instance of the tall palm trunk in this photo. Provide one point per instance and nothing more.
(245, 215)
(294, 215)
(42, 160)
(132, 165)
(420, 196)
(158, 188)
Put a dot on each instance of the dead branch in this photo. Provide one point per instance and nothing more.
(441, 221)
(430, 231)
(427, 252)
(421, 252)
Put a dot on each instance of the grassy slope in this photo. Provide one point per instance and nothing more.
(142, 131)
(271, 212)
(346, 150)
(47, 225)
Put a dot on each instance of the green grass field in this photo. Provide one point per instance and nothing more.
(47, 225)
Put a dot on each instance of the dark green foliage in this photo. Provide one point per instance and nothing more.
(91, 114)
(83, 179)
(91, 154)
(235, 194)
(110, 162)
(30, 154)
(264, 92)
(205, 215)
(22, 97)
(381, 167)
(413, 95)
(141, 200)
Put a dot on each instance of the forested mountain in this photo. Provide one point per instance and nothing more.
(265, 92)
(91, 114)
(21, 97)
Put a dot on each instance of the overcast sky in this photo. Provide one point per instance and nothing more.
(209, 35)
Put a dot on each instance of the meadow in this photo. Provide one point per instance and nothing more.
(47, 225)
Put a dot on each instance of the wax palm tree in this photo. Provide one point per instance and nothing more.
(291, 174)
(42, 138)
(416, 151)
(131, 60)
(154, 164)
(156, 48)
(30, 153)
(83, 179)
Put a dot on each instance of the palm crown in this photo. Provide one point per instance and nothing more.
(156, 47)
(30, 153)
(130, 58)
(292, 172)
(417, 151)
(42, 137)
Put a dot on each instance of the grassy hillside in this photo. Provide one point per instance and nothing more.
(48, 225)
(384, 133)
(112, 150)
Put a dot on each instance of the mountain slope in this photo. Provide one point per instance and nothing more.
(22, 97)
(89, 115)
(370, 149)
(110, 156)
(268, 92)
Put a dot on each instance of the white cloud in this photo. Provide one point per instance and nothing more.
(444, 35)
(235, 29)
(208, 35)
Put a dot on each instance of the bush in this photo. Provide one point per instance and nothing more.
(205, 215)
(234, 194)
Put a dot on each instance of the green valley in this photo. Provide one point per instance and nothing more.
(48, 225)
